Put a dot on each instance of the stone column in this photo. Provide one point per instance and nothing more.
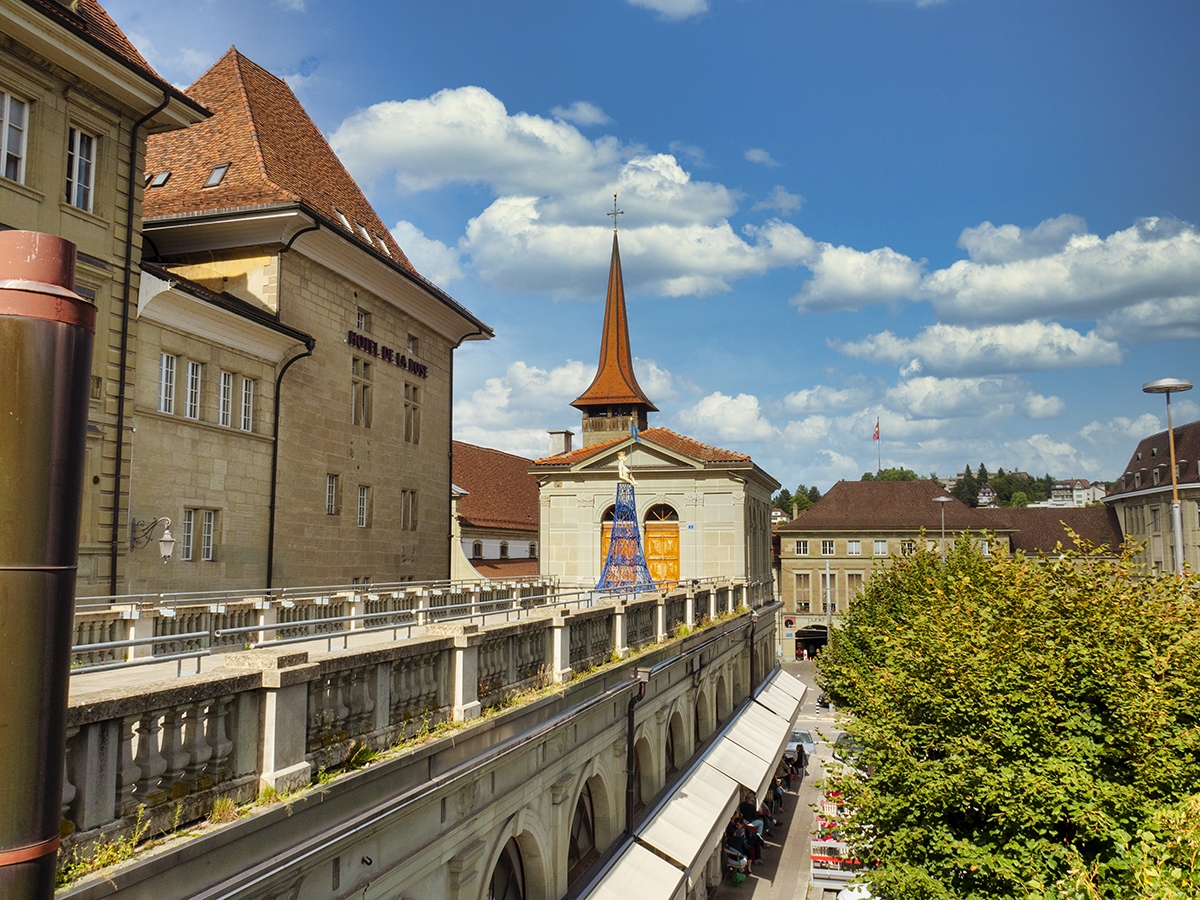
(620, 629)
(284, 739)
(689, 608)
(465, 688)
(660, 618)
(560, 645)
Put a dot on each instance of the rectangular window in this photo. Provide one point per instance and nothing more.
(853, 548)
(14, 115)
(191, 407)
(829, 592)
(331, 495)
(414, 345)
(854, 584)
(206, 536)
(189, 530)
(360, 393)
(225, 402)
(412, 414)
(803, 589)
(907, 547)
(81, 168)
(364, 499)
(827, 548)
(881, 548)
(166, 383)
(247, 404)
(802, 548)
(363, 321)
(987, 547)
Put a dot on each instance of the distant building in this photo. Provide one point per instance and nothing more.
(1076, 492)
(778, 516)
(986, 496)
(1141, 498)
(293, 404)
(703, 511)
(497, 510)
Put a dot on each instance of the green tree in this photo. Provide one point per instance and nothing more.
(983, 474)
(891, 475)
(813, 494)
(1031, 727)
(966, 489)
(1018, 500)
(783, 500)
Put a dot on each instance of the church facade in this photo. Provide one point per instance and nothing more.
(704, 512)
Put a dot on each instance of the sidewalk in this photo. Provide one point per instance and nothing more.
(783, 872)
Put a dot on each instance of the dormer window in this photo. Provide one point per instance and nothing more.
(1154, 451)
(161, 178)
(383, 246)
(362, 229)
(216, 175)
(342, 218)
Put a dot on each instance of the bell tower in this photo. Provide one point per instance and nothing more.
(614, 401)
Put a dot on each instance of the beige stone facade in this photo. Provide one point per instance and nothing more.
(723, 510)
(67, 86)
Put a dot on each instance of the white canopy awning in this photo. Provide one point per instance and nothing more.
(638, 873)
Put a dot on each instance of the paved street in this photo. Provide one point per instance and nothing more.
(783, 872)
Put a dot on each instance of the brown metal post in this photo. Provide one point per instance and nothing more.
(46, 336)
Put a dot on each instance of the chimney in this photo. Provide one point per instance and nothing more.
(795, 510)
(560, 442)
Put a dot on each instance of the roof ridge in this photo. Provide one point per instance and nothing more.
(694, 441)
(492, 450)
(248, 106)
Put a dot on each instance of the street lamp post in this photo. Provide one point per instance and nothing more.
(941, 502)
(1171, 386)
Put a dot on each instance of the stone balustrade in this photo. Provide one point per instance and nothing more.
(270, 718)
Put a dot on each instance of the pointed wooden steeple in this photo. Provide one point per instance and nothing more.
(614, 400)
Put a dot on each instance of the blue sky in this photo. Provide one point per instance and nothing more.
(974, 220)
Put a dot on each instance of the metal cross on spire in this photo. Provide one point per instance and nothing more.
(616, 212)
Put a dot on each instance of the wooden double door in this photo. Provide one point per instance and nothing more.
(660, 542)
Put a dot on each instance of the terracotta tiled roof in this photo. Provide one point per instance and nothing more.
(276, 154)
(1154, 452)
(1040, 528)
(500, 491)
(614, 384)
(887, 505)
(663, 437)
(505, 568)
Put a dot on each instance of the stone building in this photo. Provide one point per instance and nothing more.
(1141, 498)
(76, 103)
(293, 407)
(704, 512)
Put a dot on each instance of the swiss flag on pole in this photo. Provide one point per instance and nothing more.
(875, 436)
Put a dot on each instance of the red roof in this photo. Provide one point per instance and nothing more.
(614, 384)
(275, 153)
(505, 568)
(663, 437)
(1040, 528)
(890, 505)
(501, 492)
(91, 21)
(1153, 453)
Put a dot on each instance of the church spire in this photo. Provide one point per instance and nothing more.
(614, 400)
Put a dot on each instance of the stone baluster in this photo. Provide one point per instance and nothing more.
(196, 743)
(149, 760)
(68, 789)
(342, 700)
(129, 771)
(174, 752)
(218, 738)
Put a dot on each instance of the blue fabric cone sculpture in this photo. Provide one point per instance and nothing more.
(625, 566)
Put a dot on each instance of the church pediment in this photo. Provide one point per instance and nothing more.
(639, 455)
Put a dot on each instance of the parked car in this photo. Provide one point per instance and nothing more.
(823, 701)
(802, 739)
(847, 749)
(855, 892)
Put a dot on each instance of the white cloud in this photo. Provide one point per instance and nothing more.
(654, 380)
(824, 399)
(845, 278)
(695, 155)
(1021, 275)
(673, 10)
(293, 5)
(988, 243)
(929, 397)
(581, 113)
(780, 200)
(1174, 318)
(760, 156)
(728, 418)
(545, 231)
(1121, 430)
(433, 259)
(988, 350)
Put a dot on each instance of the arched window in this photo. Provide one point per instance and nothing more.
(504, 549)
(508, 878)
(533, 549)
(477, 550)
(582, 852)
(669, 760)
(661, 513)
